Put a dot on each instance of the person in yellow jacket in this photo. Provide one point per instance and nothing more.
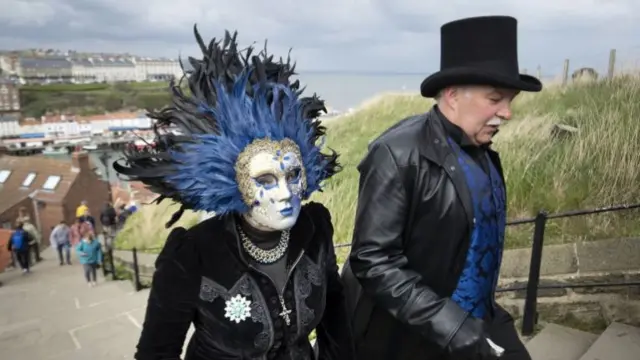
(82, 209)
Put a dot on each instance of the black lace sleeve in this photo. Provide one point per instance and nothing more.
(171, 305)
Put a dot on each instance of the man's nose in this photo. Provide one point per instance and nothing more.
(504, 113)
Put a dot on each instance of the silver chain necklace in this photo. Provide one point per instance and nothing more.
(265, 256)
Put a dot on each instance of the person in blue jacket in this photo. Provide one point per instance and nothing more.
(89, 253)
(19, 245)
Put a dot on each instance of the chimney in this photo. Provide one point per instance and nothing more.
(80, 161)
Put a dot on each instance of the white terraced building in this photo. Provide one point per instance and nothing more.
(95, 69)
(62, 126)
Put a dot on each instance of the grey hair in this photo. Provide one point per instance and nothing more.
(440, 94)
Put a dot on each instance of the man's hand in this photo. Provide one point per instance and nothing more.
(470, 342)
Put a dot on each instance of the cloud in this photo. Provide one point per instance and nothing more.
(369, 35)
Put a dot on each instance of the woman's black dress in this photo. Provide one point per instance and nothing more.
(199, 270)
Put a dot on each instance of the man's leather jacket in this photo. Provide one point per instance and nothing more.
(410, 242)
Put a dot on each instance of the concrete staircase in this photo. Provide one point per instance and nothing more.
(555, 342)
(51, 313)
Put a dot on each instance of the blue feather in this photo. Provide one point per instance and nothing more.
(205, 169)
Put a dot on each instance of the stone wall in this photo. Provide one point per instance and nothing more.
(591, 308)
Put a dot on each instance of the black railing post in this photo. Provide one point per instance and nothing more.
(530, 316)
(136, 270)
(114, 276)
(104, 266)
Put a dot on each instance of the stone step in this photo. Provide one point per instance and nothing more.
(617, 342)
(557, 342)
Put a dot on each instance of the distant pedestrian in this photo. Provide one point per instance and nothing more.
(81, 209)
(19, 245)
(89, 218)
(108, 219)
(123, 215)
(90, 254)
(77, 229)
(35, 238)
(132, 207)
(60, 239)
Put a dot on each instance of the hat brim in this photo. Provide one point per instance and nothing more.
(472, 76)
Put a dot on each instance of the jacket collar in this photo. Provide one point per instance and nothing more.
(452, 130)
(436, 147)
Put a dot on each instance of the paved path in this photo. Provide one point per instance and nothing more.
(52, 314)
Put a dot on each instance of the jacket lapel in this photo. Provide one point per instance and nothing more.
(438, 150)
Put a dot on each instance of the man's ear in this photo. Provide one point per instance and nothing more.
(451, 95)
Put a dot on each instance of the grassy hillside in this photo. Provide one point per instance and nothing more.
(145, 228)
(598, 166)
(89, 99)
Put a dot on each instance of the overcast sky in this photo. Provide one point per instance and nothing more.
(365, 35)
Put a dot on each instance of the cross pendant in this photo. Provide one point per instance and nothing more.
(285, 312)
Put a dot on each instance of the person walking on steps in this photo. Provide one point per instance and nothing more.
(108, 219)
(19, 246)
(430, 221)
(90, 254)
(60, 239)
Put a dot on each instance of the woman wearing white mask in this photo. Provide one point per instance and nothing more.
(256, 279)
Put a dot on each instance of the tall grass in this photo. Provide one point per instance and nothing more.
(145, 229)
(597, 166)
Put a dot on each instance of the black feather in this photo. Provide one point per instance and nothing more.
(221, 61)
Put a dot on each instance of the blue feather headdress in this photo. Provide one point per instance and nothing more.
(235, 98)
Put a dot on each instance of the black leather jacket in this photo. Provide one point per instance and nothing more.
(200, 269)
(410, 242)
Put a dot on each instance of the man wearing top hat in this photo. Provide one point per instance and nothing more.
(430, 221)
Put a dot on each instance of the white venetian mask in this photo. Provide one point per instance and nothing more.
(271, 179)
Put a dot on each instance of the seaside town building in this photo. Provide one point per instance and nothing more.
(9, 95)
(62, 126)
(98, 68)
(9, 105)
(47, 189)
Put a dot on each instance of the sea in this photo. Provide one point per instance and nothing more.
(344, 91)
(341, 92)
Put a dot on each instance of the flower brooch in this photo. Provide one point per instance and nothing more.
(238, 308)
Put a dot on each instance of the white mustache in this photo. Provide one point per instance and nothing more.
(496, 121)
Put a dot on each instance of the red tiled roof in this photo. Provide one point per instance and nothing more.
(109, 116)
(137, 192)
(10, 198)
(49, 119)
(29, 121)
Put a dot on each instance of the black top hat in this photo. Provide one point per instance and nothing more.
(479, 51)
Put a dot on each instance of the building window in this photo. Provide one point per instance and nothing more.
(51, 183)
(29, 179)
(4, 175)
